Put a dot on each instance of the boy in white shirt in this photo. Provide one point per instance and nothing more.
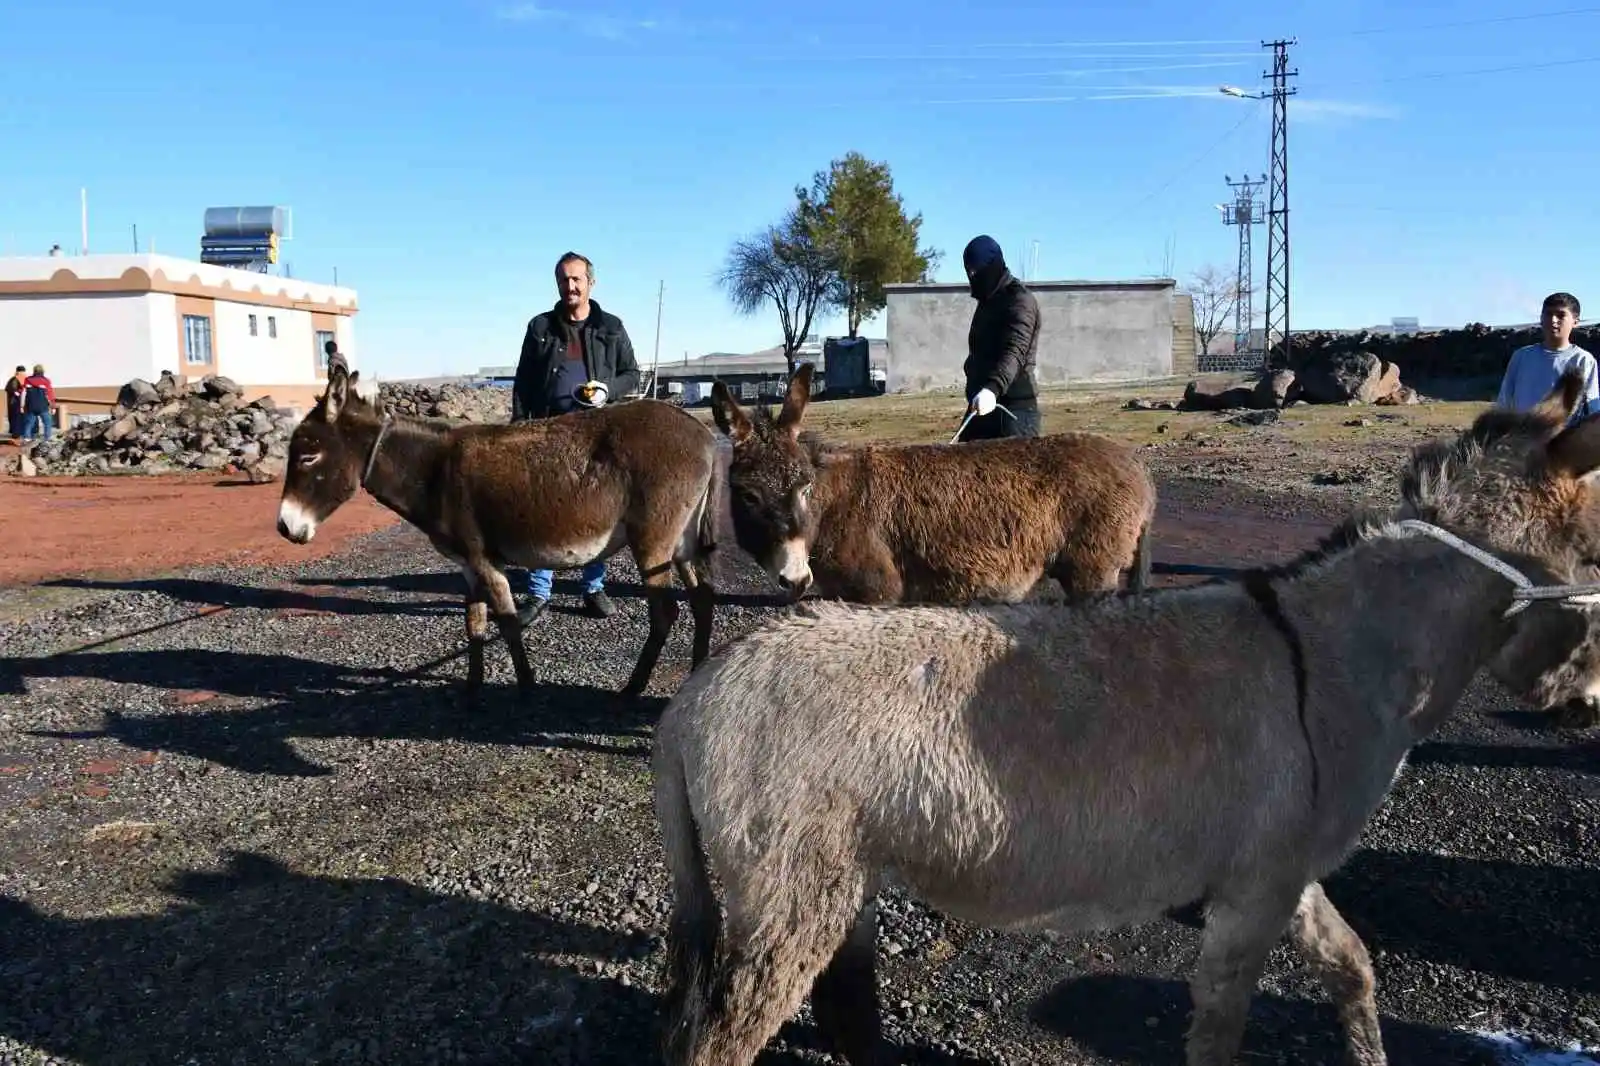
(1535, 368)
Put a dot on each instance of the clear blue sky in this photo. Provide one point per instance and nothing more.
(442, 155)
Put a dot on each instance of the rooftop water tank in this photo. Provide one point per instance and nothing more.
(243, 222)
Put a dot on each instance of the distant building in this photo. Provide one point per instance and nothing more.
(97, 321)
(1093, 331)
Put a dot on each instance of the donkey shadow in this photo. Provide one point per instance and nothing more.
(257, 740)
(1142, 1020)
(257, 962)
(450, 583)
(229, 594)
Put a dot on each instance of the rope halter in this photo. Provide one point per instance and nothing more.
(1526, 591)
(372, 457)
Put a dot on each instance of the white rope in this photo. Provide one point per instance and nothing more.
(1526, 591)
(974, 414)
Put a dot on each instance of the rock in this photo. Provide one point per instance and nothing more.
(1340, 377)
(1215, 396)
(1388, 381)
(26, 466)
(1275, 390)
(1253, 418)
(215, 387)
(137, 393)
(1404, 395)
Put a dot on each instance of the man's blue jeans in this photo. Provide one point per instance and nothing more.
(594, 579)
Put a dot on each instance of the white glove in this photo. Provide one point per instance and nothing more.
(592, 394)
(984, 402)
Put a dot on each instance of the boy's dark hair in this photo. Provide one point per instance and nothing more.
(1558, 300)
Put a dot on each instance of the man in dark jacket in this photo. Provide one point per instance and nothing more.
(1002, 346)
(573, 355)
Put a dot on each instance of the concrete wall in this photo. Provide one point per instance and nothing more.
(290, 358)
(1092, 331)
(86, 340)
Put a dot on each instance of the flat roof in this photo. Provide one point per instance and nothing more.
(1039, 286)
(72, 275)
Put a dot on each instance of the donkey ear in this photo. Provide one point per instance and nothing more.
(727, 413)
(795, 400)
(1559, 403)
(1575, 451)
(334, 398)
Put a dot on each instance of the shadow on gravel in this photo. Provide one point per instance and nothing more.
(257, 740)
(258, 963)
(225, 594)
(1112, 1014)
(1525, 922)
(449, 583)
(232, 673)
(1580, 756)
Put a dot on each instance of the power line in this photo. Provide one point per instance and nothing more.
(1193, 164)
(1492, 21)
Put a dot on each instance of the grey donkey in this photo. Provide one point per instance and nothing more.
(1085, 767)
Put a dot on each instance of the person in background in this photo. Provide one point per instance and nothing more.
(573, 355)
(1002, 346)
(14, 389)
(1534, 369)
(38, 400)
(334, 357)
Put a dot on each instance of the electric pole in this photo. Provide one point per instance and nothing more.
(1244, 212)
(1277, 301)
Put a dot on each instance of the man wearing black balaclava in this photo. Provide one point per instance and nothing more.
(1002, 346)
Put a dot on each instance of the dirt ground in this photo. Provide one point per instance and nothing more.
(244, 819)
(126, 526)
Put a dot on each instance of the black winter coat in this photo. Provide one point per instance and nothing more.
(607, 355)
(1003, 344)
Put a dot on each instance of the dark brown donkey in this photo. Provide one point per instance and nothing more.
(553, 493)
(933, 523)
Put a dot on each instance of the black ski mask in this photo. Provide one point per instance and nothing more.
(985, 264)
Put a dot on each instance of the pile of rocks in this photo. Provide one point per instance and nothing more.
(1327, 376)
(464, 403)
(172, 426)
(1474, 351)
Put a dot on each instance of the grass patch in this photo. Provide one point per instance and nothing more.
(935, 416)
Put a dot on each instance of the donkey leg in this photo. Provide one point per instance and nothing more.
(497, 590)
(1339, 959)
(1239, 935)
(696, 579)
(845, 996)
(663, 613)
(772, 955)
(477, 636)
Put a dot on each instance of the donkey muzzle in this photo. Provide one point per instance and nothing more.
(295, 523)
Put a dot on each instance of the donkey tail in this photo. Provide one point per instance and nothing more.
(1139, 579)
(696, 925)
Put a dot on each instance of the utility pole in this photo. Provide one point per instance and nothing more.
(1244, 212)
(1277, 302)
(655, 358)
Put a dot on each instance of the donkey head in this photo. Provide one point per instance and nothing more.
(1524, 485)
(770, 477)
(328, 454)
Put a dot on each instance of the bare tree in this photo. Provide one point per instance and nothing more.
(1216, 295)
(782, 264)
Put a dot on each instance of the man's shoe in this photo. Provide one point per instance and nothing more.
(599, 604)
(530, 608)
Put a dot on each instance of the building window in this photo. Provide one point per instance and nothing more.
(323, 336)
(197, 340)
(272, 326)
(252, 325)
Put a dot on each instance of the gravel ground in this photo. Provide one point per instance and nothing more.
(268, 834)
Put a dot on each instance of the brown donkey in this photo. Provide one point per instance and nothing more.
(552, 493)
(1098, 765)
(933, 523)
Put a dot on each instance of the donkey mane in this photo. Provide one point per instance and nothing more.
(1426, 479)
(818, 450)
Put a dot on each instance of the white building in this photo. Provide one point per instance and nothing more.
(97, 321)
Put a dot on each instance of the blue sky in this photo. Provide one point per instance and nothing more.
(442, 155)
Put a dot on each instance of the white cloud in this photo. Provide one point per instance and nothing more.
(1316, 110)
(594, 24)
